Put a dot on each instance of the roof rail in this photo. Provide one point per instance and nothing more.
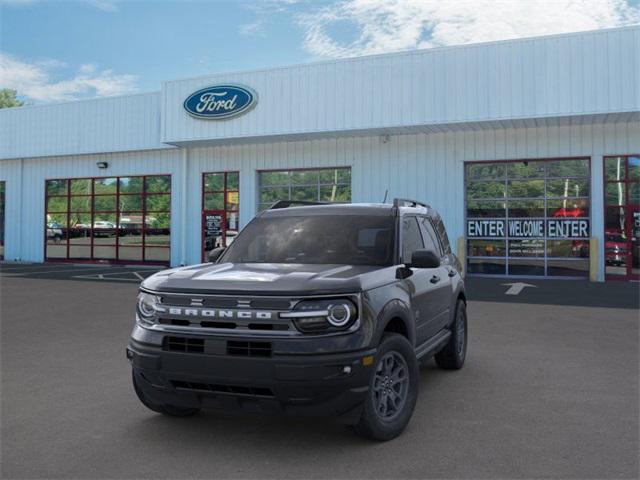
(294, 203)
(405, 202)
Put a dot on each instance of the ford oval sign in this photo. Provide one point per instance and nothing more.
(220, 102)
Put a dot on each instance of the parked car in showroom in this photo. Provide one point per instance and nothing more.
(312, 310)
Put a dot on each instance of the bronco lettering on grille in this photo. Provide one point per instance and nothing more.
(213, 313)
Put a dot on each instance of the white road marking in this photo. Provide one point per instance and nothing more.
(516, 288)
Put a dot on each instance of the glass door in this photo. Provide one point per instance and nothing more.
(220, 210)
(622, 217)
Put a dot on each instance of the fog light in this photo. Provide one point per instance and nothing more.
(368, 360)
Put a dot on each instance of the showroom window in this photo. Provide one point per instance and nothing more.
(116, 219)
(528, 218)
(622, 217)
(324, 185)
(2, 187)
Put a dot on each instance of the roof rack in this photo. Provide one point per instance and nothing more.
(294, 203)
(405, 202)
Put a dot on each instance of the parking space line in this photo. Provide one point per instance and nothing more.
(38, 272)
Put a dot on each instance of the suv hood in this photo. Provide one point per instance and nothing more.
(270, 279)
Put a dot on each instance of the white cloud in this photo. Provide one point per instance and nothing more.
(252, 29)
(34, 80)
(390, 25)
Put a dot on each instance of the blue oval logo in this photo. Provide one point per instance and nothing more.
(220, 101)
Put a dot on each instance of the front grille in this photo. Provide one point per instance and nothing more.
(210, 302)
(229, 389)
(249, 349)
(183, 344)
(230, 325)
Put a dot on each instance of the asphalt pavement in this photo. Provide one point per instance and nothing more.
(550, 390)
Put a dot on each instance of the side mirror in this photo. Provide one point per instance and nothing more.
(215, 254)
(424, 259)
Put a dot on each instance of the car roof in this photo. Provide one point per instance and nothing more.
(374, 209)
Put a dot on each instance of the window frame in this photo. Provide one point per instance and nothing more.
(260, 205)
(145, 248)
(506, 178)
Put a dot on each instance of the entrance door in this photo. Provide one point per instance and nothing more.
(220, 210)
(622, 217)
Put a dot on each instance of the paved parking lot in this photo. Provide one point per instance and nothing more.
(550, 390)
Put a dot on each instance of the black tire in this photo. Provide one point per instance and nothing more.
(169, 410)
(382, 426)
(452, 356)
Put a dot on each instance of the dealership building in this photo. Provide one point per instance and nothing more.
(529, 149)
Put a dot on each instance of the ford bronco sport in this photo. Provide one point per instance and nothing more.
(313, 310)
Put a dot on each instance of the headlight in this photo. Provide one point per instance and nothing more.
(147, 307)
(311, 316)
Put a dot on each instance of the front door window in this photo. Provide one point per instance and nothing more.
(622, 217)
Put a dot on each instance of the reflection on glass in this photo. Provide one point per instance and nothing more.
(566, 268)
(485, 209)
(158, 203)
(57, 187)
(487, 266)
(615, 193)
(634, 168)
(306, 177)
(331, 185)
(486, 248)
(486, 190)
(213, 201)
(130, 203)
(213, 182)
(130, 253)
(105, 186)
(614, 168)
(518, 266)
(569, 208)
(233, 181)
(526, 169)
(525, 188)
(104, 252)
(157, 238)
(568, 188)
(568, 248)
(634, 193)
(80, 204)
(105, 203)
(526, 248)
(485, 171)
(57, 204)
(81, 186)
(525, 208)
(158, 184)
(79, 252)
(568, 168)
(154, 254)
(130, 185)
(57, 250)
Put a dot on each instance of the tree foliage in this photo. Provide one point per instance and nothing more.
(8, 98)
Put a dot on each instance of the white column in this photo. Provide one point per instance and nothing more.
(597, 210)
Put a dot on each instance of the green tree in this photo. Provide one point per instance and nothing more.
(8, 98)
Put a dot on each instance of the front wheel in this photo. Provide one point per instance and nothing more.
(393, 390)
(452, 356)
(169, 410)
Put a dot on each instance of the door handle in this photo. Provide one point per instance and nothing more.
(452, 272)
(435, 279)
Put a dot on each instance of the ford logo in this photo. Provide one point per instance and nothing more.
(220, 101)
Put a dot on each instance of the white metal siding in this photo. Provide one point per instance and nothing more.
(113, 124)
(558, 76)
(423, 166)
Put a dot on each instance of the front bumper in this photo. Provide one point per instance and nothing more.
(302, 384)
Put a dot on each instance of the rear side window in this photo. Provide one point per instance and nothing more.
(411, 238)
(442, 233)
(430, 237)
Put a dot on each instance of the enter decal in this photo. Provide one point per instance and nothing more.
(528, 228)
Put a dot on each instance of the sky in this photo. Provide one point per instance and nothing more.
(54, 50)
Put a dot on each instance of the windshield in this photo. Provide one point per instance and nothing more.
(330, 239)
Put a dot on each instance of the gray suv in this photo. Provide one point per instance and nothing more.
(315, 309)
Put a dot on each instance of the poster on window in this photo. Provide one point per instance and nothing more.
(528, 228)
(212, 231)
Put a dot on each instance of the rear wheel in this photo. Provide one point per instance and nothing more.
(170, 410)
(452, 356)
(393, 390)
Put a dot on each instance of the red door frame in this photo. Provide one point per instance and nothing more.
(628, 210)
(223, 212)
